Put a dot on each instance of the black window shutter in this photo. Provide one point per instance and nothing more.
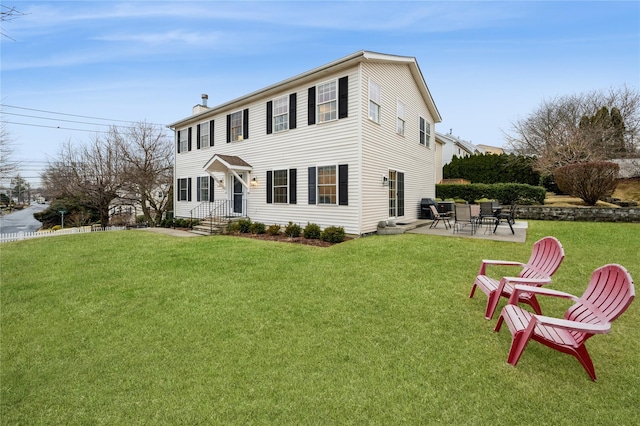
(293, 181)
(228, 128)
(178, 144)
(245, 124)
(269, 117)
(293, 108)
(311, 106)
(269, 187)
(343, 184)
(211, 189)
(343, 97)
(421, 131)
(198, 137)
(211, 128)
(400, 194)
(198, 188)
(189, 140)
(189, 189)
(312, 185)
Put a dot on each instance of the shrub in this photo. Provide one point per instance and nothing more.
(311, 231)
(257, 228)
(292, 230)
(245, 225)
(505, 193)
(273, 229)
(233, 228)
(588, 181)
(333, 234)
(56, 228)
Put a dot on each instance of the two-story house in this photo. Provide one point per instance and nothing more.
(349, 144)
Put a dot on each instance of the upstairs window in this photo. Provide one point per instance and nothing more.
(374, 101)
(400, 127)
(327, 102)
(236, 126)
(204, 135)
(281, 114)
(183, 142)
(425, 132)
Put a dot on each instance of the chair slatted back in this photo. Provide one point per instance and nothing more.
(608, 295)
(434, 211)
(486, 208)
(463, 213)
(546, 257)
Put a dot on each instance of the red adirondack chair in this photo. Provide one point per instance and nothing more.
(609, 294)
(546, 257)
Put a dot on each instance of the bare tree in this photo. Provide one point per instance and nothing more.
(91, 173)
(8, 14)
(554, 135)
(148, 156)
(7, 165)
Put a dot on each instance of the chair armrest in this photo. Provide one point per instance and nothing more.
(514, 280)
(487, 262)
(518, 288)
(601, 328)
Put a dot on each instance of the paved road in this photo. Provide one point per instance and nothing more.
(21, 220)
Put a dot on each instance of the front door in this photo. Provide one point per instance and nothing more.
(238, 194)
(396, 194)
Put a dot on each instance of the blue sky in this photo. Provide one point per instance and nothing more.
(487, 63)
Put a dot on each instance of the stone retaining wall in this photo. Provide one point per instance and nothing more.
(581, 214)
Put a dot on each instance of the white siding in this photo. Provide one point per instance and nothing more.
(368, 148)
(331, 143)
(383, 149)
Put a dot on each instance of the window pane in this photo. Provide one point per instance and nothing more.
(204, 188)
(374, 111)
(280, 180)
(327, 189)
(327, 112)
(236, 126)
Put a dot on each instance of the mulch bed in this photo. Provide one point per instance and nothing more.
(284, 239)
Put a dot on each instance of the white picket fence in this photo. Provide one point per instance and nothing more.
(16, 236)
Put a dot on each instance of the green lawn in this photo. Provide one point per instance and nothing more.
(133, 327)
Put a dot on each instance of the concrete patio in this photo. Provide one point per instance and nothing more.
(503, 233)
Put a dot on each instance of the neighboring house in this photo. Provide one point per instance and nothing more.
(125, 209)
(453, 145)
(348, 144)
(491, 149)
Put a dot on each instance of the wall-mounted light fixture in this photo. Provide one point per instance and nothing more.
(385, 181)
(254, 182)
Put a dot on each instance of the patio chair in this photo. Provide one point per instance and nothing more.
(464, 218)
(546, 256)
(509, 216)
(487, 215)
(437, 217)
(608, 295)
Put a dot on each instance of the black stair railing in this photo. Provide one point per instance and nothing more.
(218, 211)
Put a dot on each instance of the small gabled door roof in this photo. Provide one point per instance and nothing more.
(222, 163)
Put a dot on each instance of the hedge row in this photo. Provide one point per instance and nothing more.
(505, 193)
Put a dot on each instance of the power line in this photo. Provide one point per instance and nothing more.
(66, 121)
(55, 127)
(75, 115)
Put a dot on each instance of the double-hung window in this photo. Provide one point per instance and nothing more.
(427, 134)
(400, 127)
(203, 188)
(280, 186)
(327, 101)
(327, 185)
(423, 132)
(183, 189)
(374, 101)
(204, 135)
(281, 114)
(236, 126)
(184, 141)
